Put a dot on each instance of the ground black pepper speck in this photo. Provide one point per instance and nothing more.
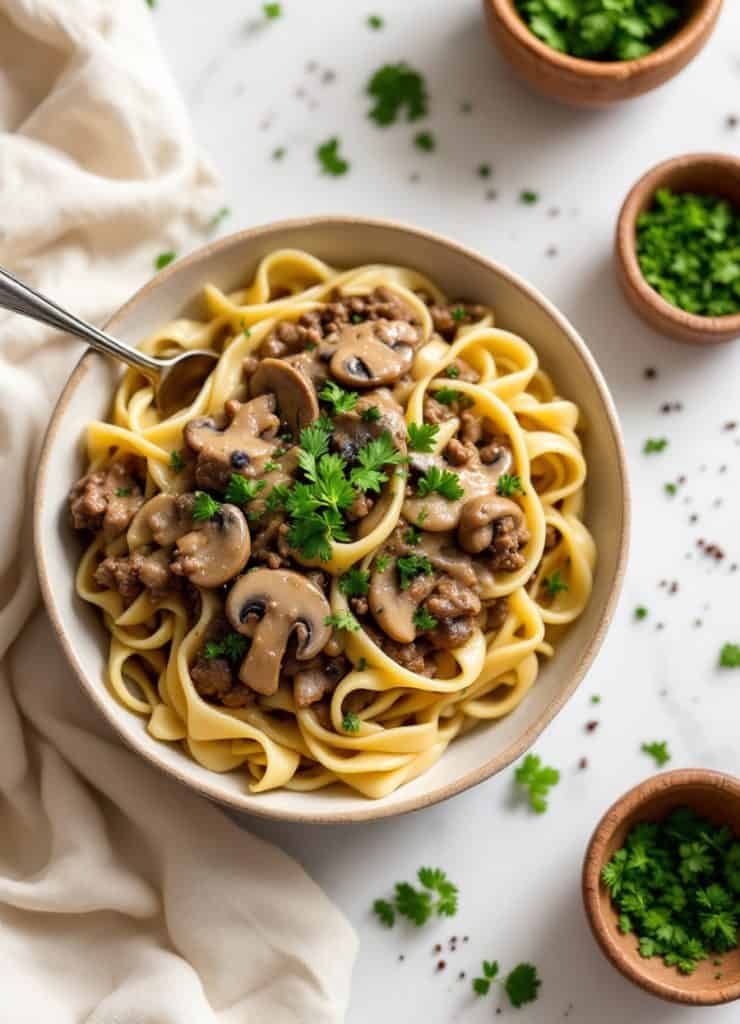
(650, 373)
(592, 725)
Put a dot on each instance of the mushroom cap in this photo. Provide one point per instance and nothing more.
(294, 393)
(216, 550)
(362, 360)
(269, 605)
(475, 529)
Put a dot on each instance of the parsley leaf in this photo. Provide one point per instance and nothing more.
(385, 912)
(395, 88)
(375, 21)
(641, 612)
(425, 141)
(422, 437)
(658, 751)
(538, 779)
(164, 259)
(177, 463)
(371, 414)
(381, 563)
(442, 481)
(351, 722)
(411, 566)
(343, 620)
(447, 396)
(233, 646)
(729, 656)
(329, 157)
(241, 490)
(339, 399)
(355, 583)
(522, 985)
(369, 476)
(553, 584)
(204, 506)
(508, 485)
(481, 986)
(218, 218)
(272, 11)
(528, 197)
(655, 444)
(423, 620)
(123, 492)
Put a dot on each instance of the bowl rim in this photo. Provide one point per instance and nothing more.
(375, 809)
(710, 327)
(608, 70)
(593, 861)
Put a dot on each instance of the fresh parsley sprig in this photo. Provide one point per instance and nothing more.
(538, 779)
(233, 647)
(411, 566)
(521, 984)
(438, 895)
(204, 506)
(508, 485)
(442, 481)
(355, 583)
(422, 436)
(241, 490)
(338, 398)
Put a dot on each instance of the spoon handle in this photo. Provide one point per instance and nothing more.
(20, 298)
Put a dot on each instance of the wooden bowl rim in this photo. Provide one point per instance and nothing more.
(614, 70)
(375, 809)
(711, 327)
(622, 809)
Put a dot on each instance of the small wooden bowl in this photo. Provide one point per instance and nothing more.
(710, 794)
(712, 173)
(593, 83)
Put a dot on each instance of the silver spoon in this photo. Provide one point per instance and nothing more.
(175, 380)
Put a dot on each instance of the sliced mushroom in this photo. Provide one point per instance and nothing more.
(295, 394)
(243, 446)
(362, 360)
(269, 606)
(216, 550)
(392, 608)
(475, 529)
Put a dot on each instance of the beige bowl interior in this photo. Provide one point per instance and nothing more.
(344, 242)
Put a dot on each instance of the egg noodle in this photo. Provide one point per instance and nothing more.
(411, 718)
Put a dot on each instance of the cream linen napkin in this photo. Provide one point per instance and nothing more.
(123, 898)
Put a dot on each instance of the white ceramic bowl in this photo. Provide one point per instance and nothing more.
(342, 241)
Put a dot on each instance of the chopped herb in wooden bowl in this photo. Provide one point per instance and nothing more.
(688, 248)
(605, 30)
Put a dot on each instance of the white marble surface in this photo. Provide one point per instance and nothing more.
(518, 873)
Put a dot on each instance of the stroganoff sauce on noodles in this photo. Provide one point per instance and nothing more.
(353, 546)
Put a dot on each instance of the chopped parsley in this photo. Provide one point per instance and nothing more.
(537, 779)
(330, 159)
(442, 481)
(554, 584)
(232, 646)
(272, 11)
(123, 492)
(411, 566)
(508, 485)
(164, 259)
(658, 750)
(425, 141)
(369, 475)
(521, 984)
(278, 153)
(344, 620)
(394, 89)
(423, 620)
(361, 665)
(729, 656)
(381, 563)
(688, 248)
(676, 886)
(655, 444)
(339, 399)
(412, 536)
(670, 488)
(241, 490)
(177, 463)
(204, 507)
(245, 330)
(375, 21)
(355, 583)
(447, 396)
(371, 414)
(602, 29)
(438, 895)
(422, 437)
(270, 466)
(218, 218)
(458, 314)
(351, 722)
(452, 371)
(641, 612)
(528, 197)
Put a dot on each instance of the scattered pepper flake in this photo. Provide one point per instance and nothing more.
(484, 170)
